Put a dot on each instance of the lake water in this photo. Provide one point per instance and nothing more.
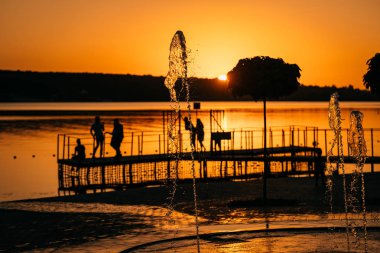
(28, 132)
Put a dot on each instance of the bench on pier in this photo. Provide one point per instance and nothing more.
(216, 139)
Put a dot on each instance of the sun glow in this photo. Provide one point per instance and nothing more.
(222, 77)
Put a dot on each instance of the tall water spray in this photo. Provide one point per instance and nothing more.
(358, 150)
(178, 70)
(177, 64)
(335, 122)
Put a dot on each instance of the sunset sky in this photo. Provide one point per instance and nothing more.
(330, 40)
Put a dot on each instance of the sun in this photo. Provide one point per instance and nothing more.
(222, 77)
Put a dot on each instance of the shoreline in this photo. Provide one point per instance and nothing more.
(304, 189)
(75, 222)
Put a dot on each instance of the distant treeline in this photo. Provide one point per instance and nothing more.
(27, 86)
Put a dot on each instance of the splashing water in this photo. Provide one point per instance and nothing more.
(335, 122)
(177, 64)
(178, 70)
(356, 139)
(358, 150)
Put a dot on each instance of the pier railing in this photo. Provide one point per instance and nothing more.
(153, 143)
(292, 151)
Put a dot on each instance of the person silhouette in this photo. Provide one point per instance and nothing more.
(189, 126)
(117, 136)
(320, 166)
(218, 143)
(80, 151)
(200, 133)
(96, 131)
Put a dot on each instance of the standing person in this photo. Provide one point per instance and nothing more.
(97, 129)
(189, 126)
(80, 151)
(200, 133)
(117, 136)
(319, 170)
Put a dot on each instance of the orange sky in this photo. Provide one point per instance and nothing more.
(330, 40)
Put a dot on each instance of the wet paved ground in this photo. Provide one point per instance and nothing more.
(116, 221)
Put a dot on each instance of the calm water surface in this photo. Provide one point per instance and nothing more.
(28, 144)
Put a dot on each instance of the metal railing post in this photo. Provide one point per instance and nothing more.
(58, 143)
(159, 144)
(372, 152)
(68, 147)
(326, 142)
(64, 146)
(132, 144)
(142, 143)
(138, 144)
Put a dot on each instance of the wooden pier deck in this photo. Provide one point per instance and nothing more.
(112, 173)
(230, 155)
(291, 150)
(131, 171)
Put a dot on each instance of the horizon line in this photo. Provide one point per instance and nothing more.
(125, 74)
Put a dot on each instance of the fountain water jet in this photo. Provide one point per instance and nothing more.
(178, 70)
(177, 64)
(358, 150)
(335, 122)
(354, 192)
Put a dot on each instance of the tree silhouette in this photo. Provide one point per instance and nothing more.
(263, 78)
(372, 78)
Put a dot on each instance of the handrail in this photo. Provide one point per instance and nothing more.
(155, 142)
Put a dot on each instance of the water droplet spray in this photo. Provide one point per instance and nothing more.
(178, 70)
(358, 150)
(335, 122)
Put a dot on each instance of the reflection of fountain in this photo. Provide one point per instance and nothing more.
(178, 70)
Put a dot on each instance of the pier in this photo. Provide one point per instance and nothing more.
(146, 161)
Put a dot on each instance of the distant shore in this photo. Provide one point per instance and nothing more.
(28, 86)
(32, 229)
